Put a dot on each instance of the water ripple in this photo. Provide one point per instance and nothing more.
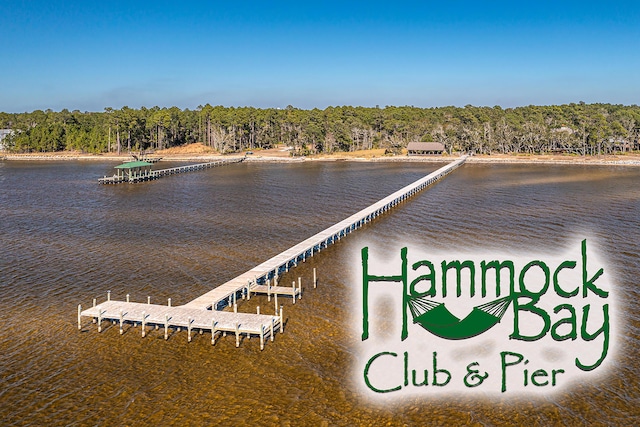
(67, 240)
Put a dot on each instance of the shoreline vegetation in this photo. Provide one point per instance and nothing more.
(571, 129)
(199, 153)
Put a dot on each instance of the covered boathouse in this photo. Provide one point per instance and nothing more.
(132, 171)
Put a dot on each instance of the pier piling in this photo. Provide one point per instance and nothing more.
(144, 329)
(166, 327)
(293, 291)
(261, 337)
(79, 317)
(237, 335)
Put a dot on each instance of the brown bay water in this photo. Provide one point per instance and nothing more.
(65, 240)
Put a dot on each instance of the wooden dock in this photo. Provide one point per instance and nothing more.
(166, 317)
(141, 175)
(204, 313)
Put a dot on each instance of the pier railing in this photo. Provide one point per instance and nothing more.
(204, 313)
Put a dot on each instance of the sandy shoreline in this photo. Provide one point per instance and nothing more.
(623, 160)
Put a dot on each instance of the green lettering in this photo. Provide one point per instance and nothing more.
(556, 286)
(590, 337)
(458, 267)
(588, 284)
(498, 266)
(437, 371)
(431, 277)
(366, 373)
(571, 320)
(545, 270)
(530, 307)
(366, 278)
(539, 373)
(504, 364)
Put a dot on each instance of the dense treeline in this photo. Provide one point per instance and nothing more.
(579, 128)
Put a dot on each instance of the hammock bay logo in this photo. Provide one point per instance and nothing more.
(499, 323)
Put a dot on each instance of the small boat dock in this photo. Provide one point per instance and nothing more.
(140, 171)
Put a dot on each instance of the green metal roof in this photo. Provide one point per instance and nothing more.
(131, 165)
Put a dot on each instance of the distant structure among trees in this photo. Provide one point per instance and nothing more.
(424, 148)
(3, 134)
(582, 129)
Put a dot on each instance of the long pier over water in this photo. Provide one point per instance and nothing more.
(204, 312)
(139, 174)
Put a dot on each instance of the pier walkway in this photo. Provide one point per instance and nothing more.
(204, 313)
(139, 174)
(259, 277)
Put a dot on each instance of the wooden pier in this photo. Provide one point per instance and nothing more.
(258, 279)
(159, 316)
(204, 313)
(139, 171)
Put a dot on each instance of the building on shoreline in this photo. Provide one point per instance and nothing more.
(424, 148)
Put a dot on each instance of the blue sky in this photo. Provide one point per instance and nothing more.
(89, 55)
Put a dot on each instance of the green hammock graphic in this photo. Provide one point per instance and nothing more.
(437, 319)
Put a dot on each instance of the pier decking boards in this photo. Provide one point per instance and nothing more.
(139, 171)
(161, 316)
(204, 312)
